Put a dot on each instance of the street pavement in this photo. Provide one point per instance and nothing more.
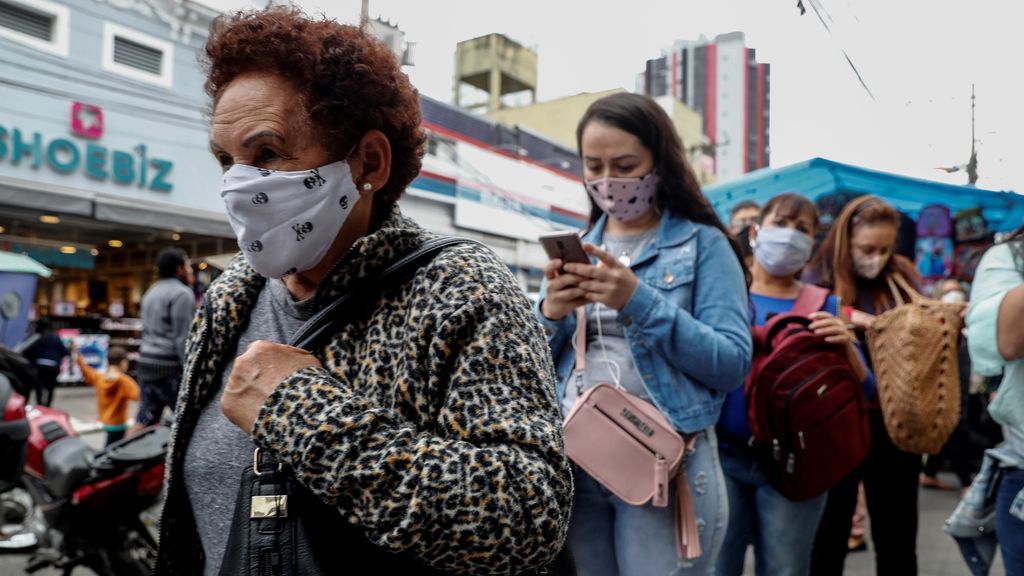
(937, 553)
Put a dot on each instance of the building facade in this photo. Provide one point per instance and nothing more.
(557, 119)
(103, 145)
(104, 158)
(502, 185)
(721, 80)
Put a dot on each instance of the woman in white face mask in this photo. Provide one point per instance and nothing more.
(423, 423)
(781, 531)
(853, 262)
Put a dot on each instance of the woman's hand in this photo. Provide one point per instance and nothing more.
(610, 282)
(563, 294)
(862, 320)
(255, 376)
(833, 328)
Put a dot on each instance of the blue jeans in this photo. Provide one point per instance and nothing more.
(1010, 521)
(610, 537)
(782, 531)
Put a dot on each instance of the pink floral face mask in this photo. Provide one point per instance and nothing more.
(624, 199)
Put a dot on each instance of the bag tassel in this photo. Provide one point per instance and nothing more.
(687, 536)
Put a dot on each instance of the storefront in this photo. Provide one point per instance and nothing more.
(94, 193)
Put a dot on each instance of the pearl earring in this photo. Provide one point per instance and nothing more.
(367, 186)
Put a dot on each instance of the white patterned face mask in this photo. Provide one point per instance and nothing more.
(286, 222)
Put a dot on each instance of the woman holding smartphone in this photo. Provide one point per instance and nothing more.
(666, 320)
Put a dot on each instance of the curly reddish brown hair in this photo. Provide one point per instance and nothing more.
(350, 82)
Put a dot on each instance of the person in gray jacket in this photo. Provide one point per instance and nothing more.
(167, 310)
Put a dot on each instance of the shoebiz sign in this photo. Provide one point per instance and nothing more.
(85, 153)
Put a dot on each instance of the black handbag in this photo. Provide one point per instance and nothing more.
(280, 528)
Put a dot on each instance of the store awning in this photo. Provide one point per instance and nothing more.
(112, 208)
(43, 197)
(817, 177)
(11, 262)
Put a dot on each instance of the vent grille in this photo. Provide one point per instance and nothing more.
(138, 56)
(25, 21)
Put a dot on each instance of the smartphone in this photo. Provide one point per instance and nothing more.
(565, 246)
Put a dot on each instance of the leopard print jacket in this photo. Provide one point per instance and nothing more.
(433, 424)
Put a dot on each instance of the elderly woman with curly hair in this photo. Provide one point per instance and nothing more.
(427, 423)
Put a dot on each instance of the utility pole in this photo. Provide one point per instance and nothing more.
(972, 164)
(365, 14)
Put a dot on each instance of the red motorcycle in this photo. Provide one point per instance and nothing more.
(78, 506)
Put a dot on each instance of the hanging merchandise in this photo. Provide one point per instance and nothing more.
(967, 258)
(971, 226)
(934, 246)
(935, 257)
(934, 220)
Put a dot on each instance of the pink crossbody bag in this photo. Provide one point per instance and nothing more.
(627, 445)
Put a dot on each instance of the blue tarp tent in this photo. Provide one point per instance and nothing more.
(1004, 211)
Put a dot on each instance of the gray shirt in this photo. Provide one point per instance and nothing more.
(167, 310)
(608, 356)
(219, 450)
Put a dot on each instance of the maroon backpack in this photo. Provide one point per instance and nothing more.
(806, 406)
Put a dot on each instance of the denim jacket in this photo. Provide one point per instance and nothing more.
(686, 323)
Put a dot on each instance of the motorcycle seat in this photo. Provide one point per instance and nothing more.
(148, 446)
(66, 465)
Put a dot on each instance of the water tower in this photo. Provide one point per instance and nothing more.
(496, 65)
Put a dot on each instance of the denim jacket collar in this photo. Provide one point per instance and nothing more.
(671, 232)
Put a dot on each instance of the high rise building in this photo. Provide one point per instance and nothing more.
(722, 81)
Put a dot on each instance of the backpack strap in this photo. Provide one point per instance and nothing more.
(810, 300)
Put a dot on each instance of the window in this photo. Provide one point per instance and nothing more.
(38, 24)
(442, 147)
(136, 55)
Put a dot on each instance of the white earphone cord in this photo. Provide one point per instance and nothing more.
(613, 367)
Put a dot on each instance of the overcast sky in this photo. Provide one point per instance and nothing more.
(918, 57)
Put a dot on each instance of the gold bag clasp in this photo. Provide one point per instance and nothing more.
(274, 506)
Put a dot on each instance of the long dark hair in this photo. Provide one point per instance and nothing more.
(679, 191)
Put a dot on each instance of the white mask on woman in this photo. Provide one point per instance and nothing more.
(782, 251)
(287, 221)
(954, 296)
(871, 266)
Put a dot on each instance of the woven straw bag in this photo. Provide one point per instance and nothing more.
(914, 351)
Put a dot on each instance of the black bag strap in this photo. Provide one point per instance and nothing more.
(324, 322)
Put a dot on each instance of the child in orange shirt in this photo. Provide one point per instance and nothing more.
(113, 391)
